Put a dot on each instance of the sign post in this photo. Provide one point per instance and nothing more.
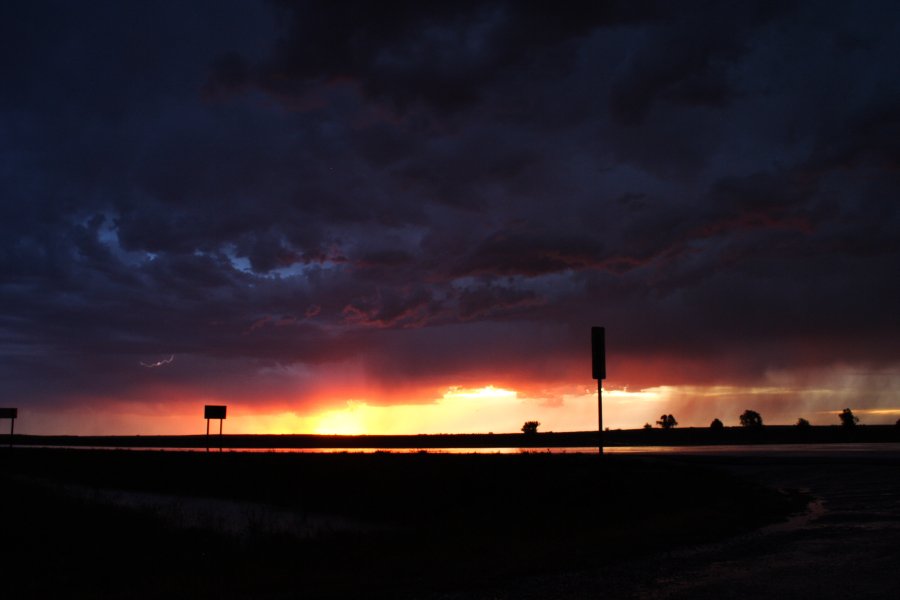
(11, 414)
(214, 411)
(598, 355)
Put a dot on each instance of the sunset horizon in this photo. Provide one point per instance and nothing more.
(468, 299)
(460, 410)
(405, 218)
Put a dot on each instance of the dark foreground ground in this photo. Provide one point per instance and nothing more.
(846, 545)
(139, 524)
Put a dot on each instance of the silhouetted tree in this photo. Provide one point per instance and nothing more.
(751, 418)
(848, 419)
(649, 426)
(530, 427)
(667, 421)
(802, 423)
(716, 424)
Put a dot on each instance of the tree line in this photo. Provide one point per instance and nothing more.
(752, 419)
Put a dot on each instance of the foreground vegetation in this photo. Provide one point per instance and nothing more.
(411, 524)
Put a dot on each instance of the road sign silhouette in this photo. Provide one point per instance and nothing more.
(214, 411)
(11, 414)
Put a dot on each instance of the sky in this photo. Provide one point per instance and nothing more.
(405, 217)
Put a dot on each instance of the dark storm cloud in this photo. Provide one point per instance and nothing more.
(493, 300)
(687, 59)
(443, 191)
(441, 54)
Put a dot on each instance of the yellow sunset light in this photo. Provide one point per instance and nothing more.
(488, 393)
(350, 420)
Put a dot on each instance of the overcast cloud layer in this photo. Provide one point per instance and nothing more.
(402, 194)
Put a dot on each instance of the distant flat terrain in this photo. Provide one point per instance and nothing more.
(686, 436)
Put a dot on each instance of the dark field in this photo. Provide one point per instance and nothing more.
(138, 524)
(684, 436)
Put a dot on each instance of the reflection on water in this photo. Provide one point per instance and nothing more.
(761, 449)
(721, 450)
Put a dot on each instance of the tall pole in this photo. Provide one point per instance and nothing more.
(207, 435)
(600, 415)
(598, 371)
(12, 429)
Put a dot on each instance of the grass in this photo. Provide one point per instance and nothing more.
(426, 523)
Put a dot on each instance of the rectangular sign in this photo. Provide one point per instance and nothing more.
(214, 411)
(598, 351)
(9, 413)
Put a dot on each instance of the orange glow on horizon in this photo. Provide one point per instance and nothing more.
(421, 408)
(476, 410)
(454, 412)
